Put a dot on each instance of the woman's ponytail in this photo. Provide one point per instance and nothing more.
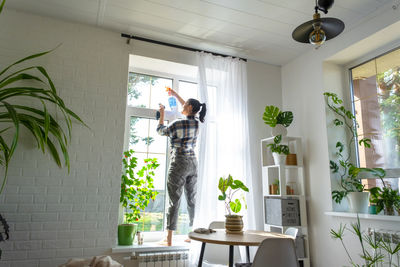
(203, 112)
(196, 107)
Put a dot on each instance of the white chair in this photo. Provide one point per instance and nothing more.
(218, 254)
(292, 232)
(276, 252)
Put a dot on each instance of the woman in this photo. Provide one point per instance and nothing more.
(182, 173)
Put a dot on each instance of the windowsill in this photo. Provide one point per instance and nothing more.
(150, 247)
(363, 216)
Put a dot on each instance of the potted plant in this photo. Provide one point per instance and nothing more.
(137, 189)
(279, 152)
(385, 199)
(229, 187)
(278, 120)
(349, 174)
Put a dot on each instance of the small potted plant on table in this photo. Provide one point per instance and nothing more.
(137, 189)
(228, 187)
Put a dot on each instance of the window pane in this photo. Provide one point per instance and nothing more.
(146, 91)
(377, 106)
(145, 141)
(188, 90)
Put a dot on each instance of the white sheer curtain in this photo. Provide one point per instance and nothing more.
(224, 145)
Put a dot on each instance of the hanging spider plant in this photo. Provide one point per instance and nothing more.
(46, 130)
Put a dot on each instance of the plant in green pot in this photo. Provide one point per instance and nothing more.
(229, 187)
(279, 151)
(278, 120)
(350, 184)
(137, 189)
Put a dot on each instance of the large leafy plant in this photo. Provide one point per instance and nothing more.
(273, 116)
(229, 187)
(277, 148)
(137, 186)
(32, 84)
(343, 166)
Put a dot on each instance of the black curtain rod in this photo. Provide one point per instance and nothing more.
(174, 45)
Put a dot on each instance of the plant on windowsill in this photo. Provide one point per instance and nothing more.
(229, 187)
(26, 92)
(278, 120)
(385, 199)
(137, 189)
(350, 183)
(279, 152)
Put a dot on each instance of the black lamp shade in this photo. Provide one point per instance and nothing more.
(331, 26)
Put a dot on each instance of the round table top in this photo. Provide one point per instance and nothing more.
(247, 238)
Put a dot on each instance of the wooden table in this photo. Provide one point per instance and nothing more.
(220, 237)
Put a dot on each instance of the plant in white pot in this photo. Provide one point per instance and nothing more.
(229, 187)
(279, 152)
(137, 189)
(278, 120)
(348, 172)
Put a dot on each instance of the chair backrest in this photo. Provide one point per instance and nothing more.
(277, 252)
(292, 232)
(217, 225)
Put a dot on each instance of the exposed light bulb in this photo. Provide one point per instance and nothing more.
(317, 36)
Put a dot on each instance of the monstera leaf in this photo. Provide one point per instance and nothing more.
(270, 115)
(285, 118)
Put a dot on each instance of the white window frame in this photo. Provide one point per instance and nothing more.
(148, 113)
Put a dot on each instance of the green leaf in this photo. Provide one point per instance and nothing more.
(333, 166)
(277, 139)
(1, 9)
(270, 115)
(366, 142)
(235, 206)
(338, 122)
(285, 118)
(340, 147)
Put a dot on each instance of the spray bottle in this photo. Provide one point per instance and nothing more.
(171, 100)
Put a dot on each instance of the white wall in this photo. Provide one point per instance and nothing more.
(264, 88)
(303, 83)
(55, 216)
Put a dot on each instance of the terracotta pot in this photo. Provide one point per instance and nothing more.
(291, 159)
(233, 224)
(126, 234)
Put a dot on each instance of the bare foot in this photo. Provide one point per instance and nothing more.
(164, 243)
(188, 240)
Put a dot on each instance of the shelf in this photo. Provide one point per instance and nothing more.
(285, 196)
(283, 166)
(364, 216)
(150, 247)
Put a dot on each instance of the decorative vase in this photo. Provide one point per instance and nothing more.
(279, 159)
(388, 210)
(233, 224)
(126, 234)
(291, 159)
(279, 129)
(358, 202)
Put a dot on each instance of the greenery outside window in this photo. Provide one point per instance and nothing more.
(376, 104)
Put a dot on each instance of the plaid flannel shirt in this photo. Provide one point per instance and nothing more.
(183, 134)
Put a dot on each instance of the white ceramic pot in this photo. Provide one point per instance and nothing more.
(358, 202)
(279, 159)
(279, 129)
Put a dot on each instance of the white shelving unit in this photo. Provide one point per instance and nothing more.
(281, 176)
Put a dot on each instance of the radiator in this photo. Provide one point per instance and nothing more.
(162, 259)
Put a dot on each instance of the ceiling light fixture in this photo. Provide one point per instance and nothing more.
(319, 30)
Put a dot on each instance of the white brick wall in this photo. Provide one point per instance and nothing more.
(55, 215)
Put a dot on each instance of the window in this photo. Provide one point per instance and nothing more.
(146, 89)
(376, 103)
